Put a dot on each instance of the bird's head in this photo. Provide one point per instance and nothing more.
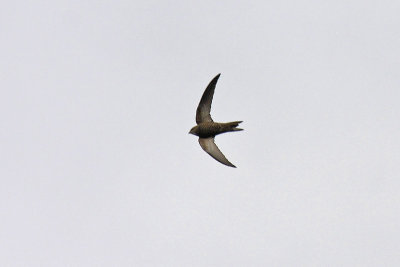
(194, 130)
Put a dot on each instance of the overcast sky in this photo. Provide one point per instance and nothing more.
(97, 167)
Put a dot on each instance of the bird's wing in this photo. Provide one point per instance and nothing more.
(204, 107)
(208, 145)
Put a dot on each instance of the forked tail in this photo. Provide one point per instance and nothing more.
(233, 125)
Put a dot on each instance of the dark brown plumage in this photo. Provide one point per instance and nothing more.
(206, 129)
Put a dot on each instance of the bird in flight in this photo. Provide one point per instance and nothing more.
(206, 129)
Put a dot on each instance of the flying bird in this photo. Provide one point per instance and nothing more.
(206, 129)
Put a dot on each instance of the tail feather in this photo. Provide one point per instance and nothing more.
(233, 125)
(237, 129)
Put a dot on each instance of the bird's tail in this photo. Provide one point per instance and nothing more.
(232, 126)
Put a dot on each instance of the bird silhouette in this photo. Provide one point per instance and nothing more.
(206, 129)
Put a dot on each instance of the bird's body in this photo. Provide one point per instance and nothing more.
(211, 129)
(206, 129)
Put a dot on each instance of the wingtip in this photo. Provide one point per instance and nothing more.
(215, 79)
(231, 165)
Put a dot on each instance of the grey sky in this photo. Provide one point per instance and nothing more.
(97, 167)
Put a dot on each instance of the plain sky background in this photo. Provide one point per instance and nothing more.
(97, 167)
